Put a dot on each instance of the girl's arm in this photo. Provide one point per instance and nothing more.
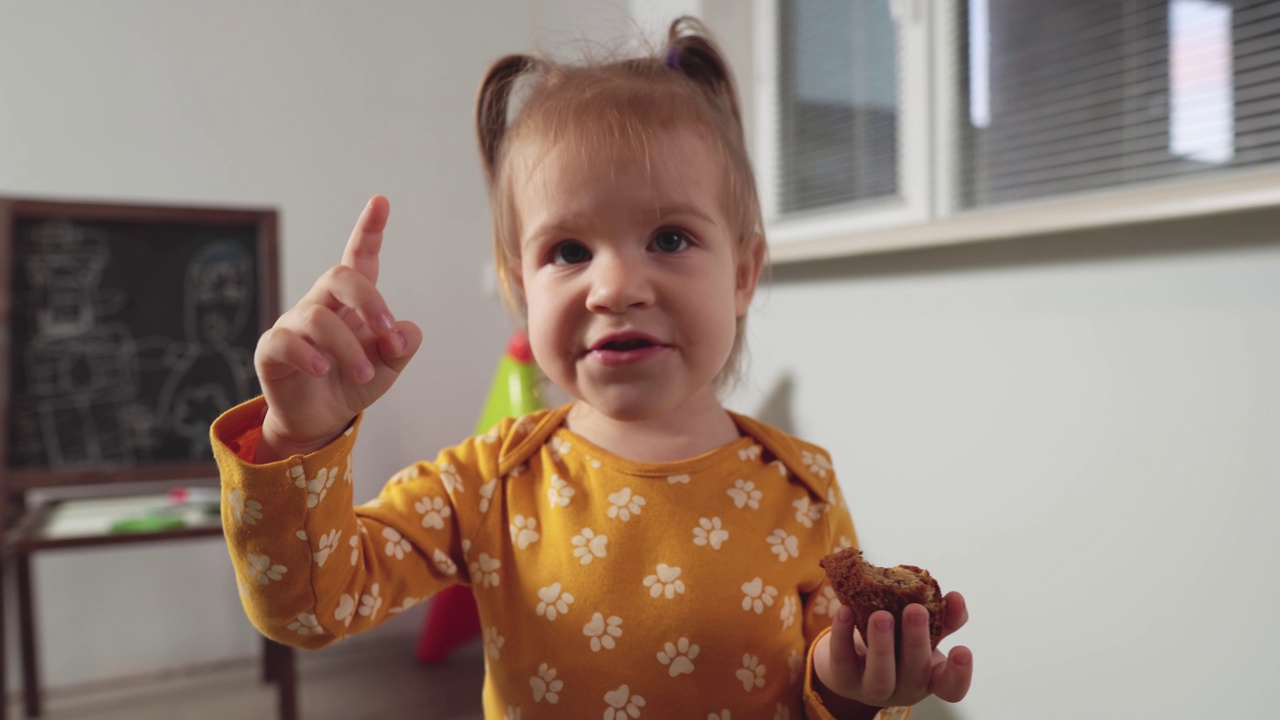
(311, 567)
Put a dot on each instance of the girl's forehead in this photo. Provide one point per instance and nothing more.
(661, 158)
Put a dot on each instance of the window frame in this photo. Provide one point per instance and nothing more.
(927, 211)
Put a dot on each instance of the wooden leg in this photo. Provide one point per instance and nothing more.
(27, 637)
(278, 668)
(4, 617)
(268, 660)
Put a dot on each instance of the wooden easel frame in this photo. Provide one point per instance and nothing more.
(20, 524)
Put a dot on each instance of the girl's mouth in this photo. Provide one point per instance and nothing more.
(625, 349)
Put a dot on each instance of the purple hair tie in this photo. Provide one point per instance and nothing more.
(673, 58)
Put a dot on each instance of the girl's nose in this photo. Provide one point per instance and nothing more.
(618, 285)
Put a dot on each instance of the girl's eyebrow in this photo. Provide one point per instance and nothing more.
(572, 224)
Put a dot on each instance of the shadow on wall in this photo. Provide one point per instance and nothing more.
(1206, 234)
(775, 407)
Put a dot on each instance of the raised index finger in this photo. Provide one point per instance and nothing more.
(361, 253)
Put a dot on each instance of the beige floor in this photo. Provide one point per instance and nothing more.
(378, 681)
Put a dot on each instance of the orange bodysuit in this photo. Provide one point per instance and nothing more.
(606, 587)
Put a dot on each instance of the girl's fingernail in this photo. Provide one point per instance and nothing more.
(844, 615)
(384, 322)
(364, 373)
(320, 366)
(397, 342)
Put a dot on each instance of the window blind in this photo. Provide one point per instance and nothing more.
(1065, 96)
(838, 103)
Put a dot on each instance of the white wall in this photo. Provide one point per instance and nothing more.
(309, 108)
(1078, 433)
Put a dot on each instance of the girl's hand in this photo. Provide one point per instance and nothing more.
(335, 352)
(869, 673)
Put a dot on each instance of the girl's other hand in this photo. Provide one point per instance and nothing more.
(872, 674)
(334, 353)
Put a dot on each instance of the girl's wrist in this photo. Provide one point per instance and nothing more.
(274, 446)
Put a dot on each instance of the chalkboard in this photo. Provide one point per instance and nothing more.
(128, 329)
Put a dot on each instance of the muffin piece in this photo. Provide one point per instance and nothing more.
(865, 588)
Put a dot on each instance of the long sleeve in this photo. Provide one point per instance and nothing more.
(311, 567)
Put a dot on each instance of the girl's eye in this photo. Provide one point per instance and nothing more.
(570, 253)
(670, 241)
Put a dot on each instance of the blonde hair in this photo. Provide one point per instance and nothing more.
(611, 109)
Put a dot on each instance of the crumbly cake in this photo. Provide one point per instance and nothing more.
(865, 588)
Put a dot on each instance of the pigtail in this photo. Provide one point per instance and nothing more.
(491, 108)
(691, 52)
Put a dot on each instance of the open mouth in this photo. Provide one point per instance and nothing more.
(625, 345)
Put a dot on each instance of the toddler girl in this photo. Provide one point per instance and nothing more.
(639, 552)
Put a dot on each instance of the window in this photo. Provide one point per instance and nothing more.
(1066, 96)
(838, 103)
(875, 116)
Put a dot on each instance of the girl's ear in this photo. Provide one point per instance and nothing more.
(750, 265)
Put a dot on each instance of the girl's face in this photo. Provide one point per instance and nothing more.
(630, 276)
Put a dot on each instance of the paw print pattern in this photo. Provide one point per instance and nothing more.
(745, 494)
(756, 596)
(486, 494)
(406, 604)
(524, 531)
(371, 602)
(262, 569)
(433, 511)
(559, 448)
(587, 546)
(807, 513)
(602, 631)
(782, 712)
(678, 657)
(834, 499)
(751, 673)
(749, 454)
(346, 610)
(512, 713)
(678, 480)
(666, 581)
(826, 603)
(552, 603)
(328, 543)
(450, 478)
(545, 685)
(493, 642)
(559, 493)
(622, 705)
(710, 532)
(443, 563)
(722, 715)
(783, 545)
(484, 571)
(523, 425)
(817, 463)
(355, 548)
(246, 512)
(795, 664)
(397, 545)
(410, 473)
(306, 624)
(624, 504)
(790, 605)
(318, 486)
